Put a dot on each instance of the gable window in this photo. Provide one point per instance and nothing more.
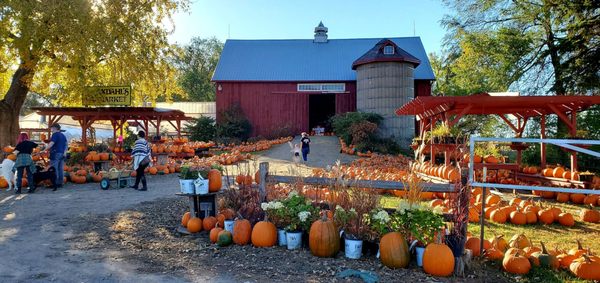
(388, 50)
(335, 87)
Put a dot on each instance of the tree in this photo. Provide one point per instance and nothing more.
(197, 63)
(201, 129)
(563, 39)
(72, 44)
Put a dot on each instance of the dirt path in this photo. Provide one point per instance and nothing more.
(34, 229)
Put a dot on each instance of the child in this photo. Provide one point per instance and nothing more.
(296, 152)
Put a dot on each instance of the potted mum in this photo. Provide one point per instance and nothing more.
(275, 210)
(421, 223)
(298, 215)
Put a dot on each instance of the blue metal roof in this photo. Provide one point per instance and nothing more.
(304, 60)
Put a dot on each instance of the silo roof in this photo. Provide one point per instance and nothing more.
(377, 54)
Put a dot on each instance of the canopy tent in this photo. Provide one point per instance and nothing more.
(144, 116)
(430, 109)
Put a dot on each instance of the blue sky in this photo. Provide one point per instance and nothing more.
(287, 19)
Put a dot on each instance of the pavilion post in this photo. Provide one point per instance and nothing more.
(158, 120)
(543, 145)
(573, 134)
(178, 128)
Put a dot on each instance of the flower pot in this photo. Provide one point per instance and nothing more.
(294, 240)
(229, 225)
(456, 244)
(281, 237)
(420, 251)
(353, 248)
(201, 187)
(187, 186)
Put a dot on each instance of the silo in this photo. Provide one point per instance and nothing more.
(384, 82)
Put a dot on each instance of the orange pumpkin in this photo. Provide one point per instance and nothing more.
(152, 170)
(566, 219)
(242, 230)
(185, 218)
(590, 215)
(517, 264)
(215, 182)
(558, 172)
(438, 260)
(264, 234)
(194, 225)
(214, 234)
(209, 222)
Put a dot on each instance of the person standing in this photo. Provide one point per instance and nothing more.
(305, 146)
(141, 160)
(24, 162)
(58, 151)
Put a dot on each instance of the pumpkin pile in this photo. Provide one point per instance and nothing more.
(257, 146)
(378, 167)
(519, 255)
(449, 173)
(351, 150)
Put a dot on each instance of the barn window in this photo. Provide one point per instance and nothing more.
(388, 50)
(322, 87)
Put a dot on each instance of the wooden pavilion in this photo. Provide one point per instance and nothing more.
(143, 116)
(449, 109)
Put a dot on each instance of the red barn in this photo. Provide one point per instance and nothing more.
(301, 83)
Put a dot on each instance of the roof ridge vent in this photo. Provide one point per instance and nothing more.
(321, 33)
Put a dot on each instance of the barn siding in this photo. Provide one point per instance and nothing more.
(422, 88)
(272, 105)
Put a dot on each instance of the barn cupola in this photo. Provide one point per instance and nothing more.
(320, 33)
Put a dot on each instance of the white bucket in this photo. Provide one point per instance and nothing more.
(353, 248)
(201, 186)
(187, 186)
(281, 237)
(420, 251)
(229, 225)
(294, 240)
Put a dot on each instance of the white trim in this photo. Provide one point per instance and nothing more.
(321, 87)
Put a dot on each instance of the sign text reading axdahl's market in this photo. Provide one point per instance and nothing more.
(107, 95)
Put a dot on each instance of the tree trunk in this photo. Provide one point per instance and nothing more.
(12, 103)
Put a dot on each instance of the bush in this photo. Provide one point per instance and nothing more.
(233, 124)
(281, 131)
(202, 129)
(342, 123)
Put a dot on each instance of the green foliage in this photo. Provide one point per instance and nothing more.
(419, 221)
(101, 147)
(129, 138)
(76, 158)
(341, 123)
(191, 173)
(531, 43)
(233, 124)
(201, 129)
(298, 213)
(360, 129)
(197, 62)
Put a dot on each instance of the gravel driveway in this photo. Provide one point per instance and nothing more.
(34, 228)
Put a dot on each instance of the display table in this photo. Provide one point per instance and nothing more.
(202, 206)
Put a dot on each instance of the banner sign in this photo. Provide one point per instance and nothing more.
(107, 95)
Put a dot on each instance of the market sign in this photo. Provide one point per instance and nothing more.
(107, 95)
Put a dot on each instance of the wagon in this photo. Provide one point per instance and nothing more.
(117, 178)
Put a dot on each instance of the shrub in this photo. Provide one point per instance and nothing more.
(363, 132)
(341, 123)
(233, 124)
(281, 131)
(201, 129)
